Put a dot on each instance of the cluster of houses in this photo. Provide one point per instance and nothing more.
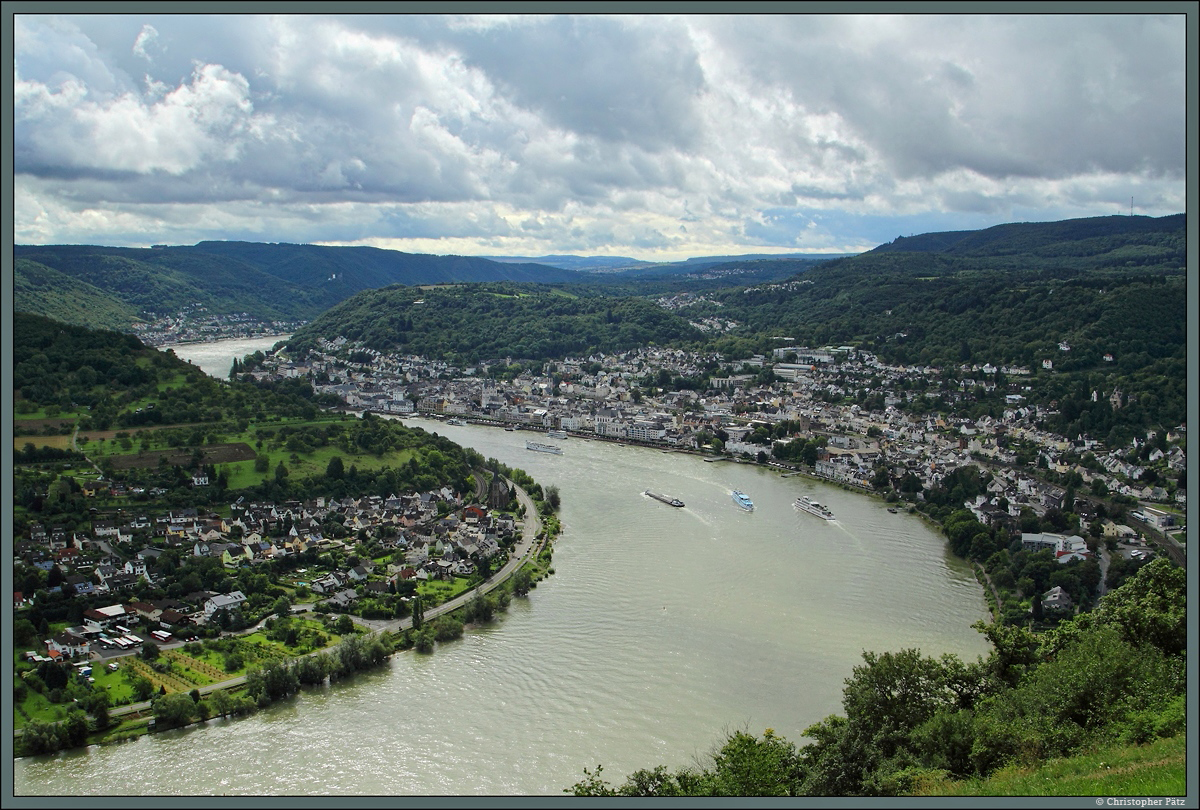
(195, 324)
(430, 535)
(613, 403)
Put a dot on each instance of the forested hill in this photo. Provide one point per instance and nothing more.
(109, 379)
(111, 287)
(481, 322)
(1007, 295)
(155, 420)
(1104, 241)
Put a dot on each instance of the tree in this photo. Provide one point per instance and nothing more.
(97, 706)
(1076, 699)
(522, 581)
(222, 703)
(423, 640)
(1151, 607)
(150, 651)
(176, 709)
(39, 737)
(24, 633)
(336, 469)
(74, 729)
(418, 613)
(749, 766)
(142, 687)
(479, 609)
(344, 626)
(881, 479)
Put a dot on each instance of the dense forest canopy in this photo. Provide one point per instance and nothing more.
(470, 323)
(115, 381)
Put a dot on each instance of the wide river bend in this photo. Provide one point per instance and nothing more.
(661, 630)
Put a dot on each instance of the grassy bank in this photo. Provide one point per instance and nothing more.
(1158, 768)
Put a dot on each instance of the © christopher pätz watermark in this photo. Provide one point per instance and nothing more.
(1166, 801)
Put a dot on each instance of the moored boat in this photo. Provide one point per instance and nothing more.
(743, 500)
(556, 434)
(543, 448)
(807, 504)
(664, 498)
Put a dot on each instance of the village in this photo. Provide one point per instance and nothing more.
(195, 324)
(614, 397)
(412, 539)
(881, 444)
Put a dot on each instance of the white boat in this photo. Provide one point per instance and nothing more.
(454, 422)
(556, 434)
(807, 504)
(743, 500)
(543, 448)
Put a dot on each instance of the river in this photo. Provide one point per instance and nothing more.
(661, 630)
(216, 357)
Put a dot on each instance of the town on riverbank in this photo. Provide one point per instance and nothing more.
(791, 409)
(393, 560)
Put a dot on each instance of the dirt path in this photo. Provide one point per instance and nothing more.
(999, 611)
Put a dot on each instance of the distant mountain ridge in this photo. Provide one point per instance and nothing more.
(629, 266)
(1037, 238)
(114, 287)
(267, 280)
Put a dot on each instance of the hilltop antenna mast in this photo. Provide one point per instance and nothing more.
(1131, 206)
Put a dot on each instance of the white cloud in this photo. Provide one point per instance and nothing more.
(197, 122)
(574, 132)
(145, 39)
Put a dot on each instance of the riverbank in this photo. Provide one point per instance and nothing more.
(532, 552)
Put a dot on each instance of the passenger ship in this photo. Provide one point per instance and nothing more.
(807, 504)
(743, 500)
(543, 448)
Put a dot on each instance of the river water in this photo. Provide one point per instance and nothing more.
(216, 358)
(661, 630)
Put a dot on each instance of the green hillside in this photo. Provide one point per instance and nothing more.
(1158, 768)
(266, 281)
(484, 322)
(1093, 238)
(148, 419)
(154, 282)
(44, 291)
(1103, 301)
(365, 268)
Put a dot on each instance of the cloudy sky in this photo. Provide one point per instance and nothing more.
(656, 137)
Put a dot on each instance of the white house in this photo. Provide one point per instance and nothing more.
(226, 601)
